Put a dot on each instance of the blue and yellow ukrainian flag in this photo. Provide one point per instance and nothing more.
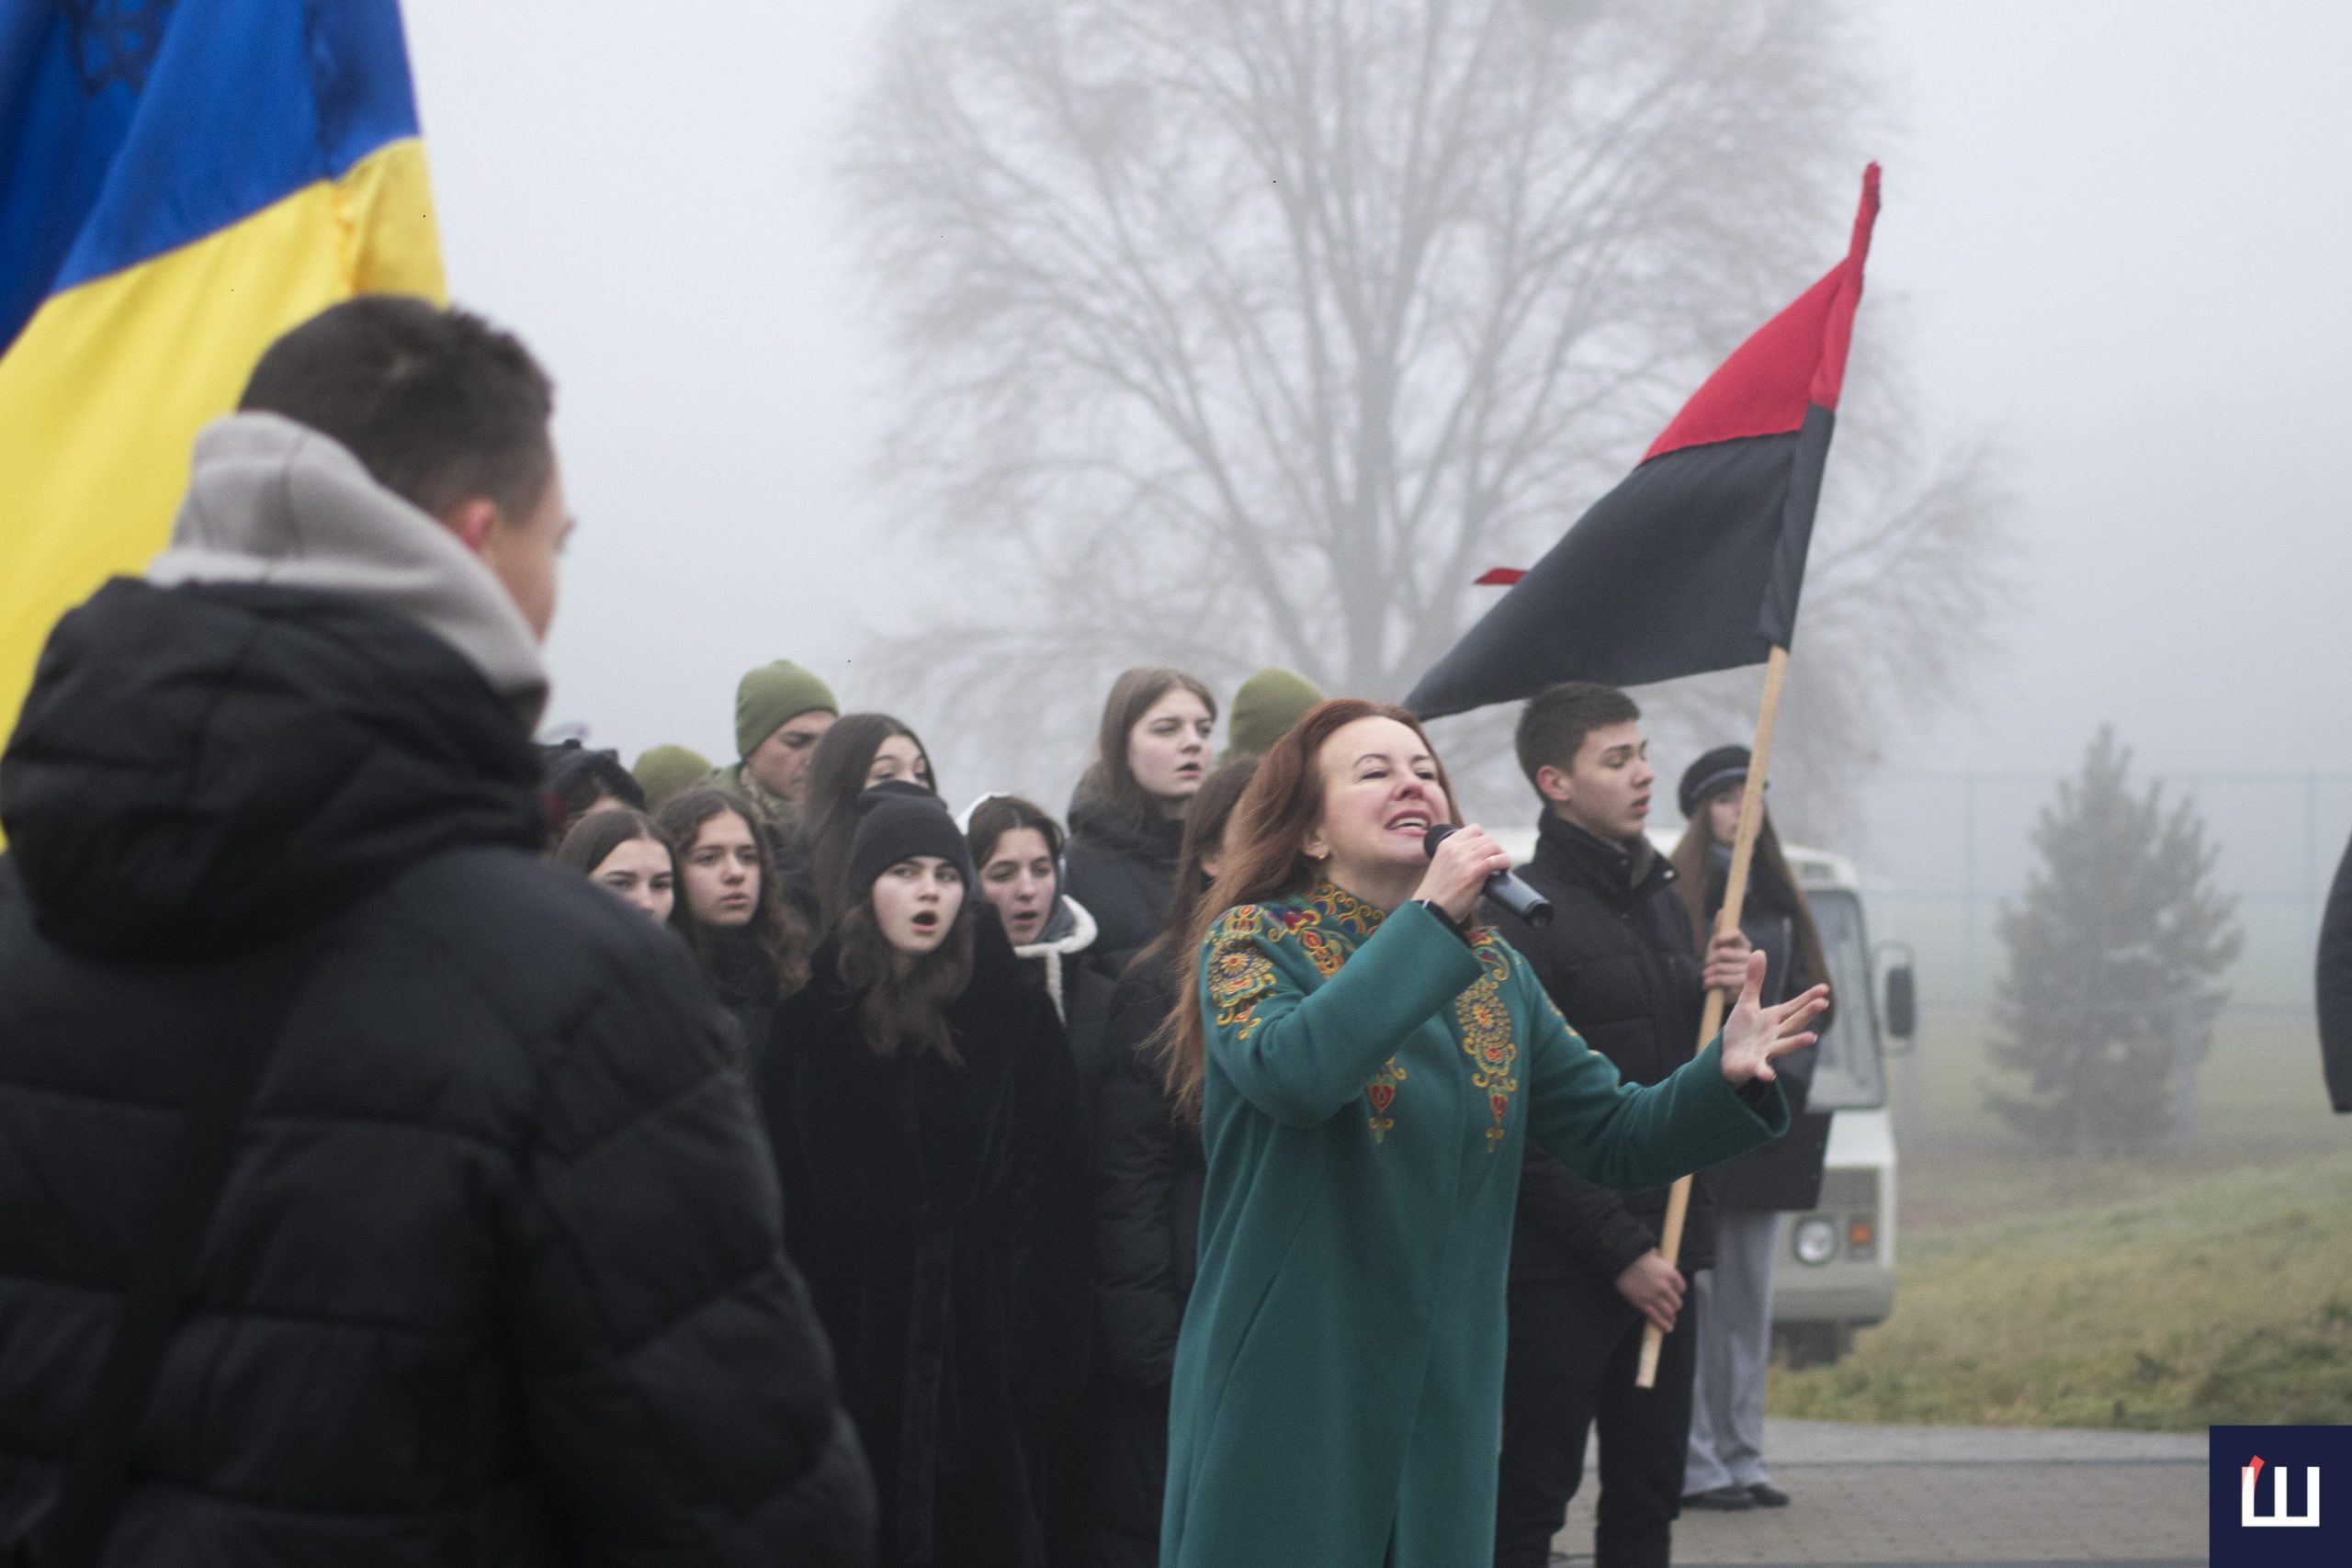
(180, 182)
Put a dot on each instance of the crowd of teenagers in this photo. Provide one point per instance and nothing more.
(798, 1169)
(824, 890)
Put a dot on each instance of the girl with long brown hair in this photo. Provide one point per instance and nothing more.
(1126, 820)
(860, 750)
(923, 1111)
(1367, 1064)
(623, 852)
(1724, 1467)
(754, 945)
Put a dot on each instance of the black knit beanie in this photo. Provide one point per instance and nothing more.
(1710, 774)
(897, 820)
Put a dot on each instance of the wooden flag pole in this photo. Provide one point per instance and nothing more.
(1743, 852)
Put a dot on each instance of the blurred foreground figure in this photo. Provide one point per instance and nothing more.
(2335, 986)
(389, 1185)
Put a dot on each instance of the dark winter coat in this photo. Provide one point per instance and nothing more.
(1147, 1246)
(939, 1211)
(795, 879)
(1062, 960)
(1122, 869)
(498, 1275)
(1785, 1174)
(2335, 986)
(743, 978)
(1619, 962)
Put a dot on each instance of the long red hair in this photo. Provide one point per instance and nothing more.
(1264, 859)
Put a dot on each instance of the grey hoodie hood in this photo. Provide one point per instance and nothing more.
(271, 500)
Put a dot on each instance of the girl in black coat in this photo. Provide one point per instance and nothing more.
(1148, 1231)
(581, 782)
(752, 944)
(1017, 849)
(924, 1117)
(1127, 821)
(1725, 1467)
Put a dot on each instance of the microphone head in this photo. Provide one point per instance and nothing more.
(1438, 833)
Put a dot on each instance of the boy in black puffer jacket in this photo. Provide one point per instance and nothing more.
(497, 1274)
(1620, 962)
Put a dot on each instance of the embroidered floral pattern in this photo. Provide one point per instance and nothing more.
(1333, 926)
(1336, 907)
(1486, 1038)
(1240, 975)
(1381, 1092)
(1329, 924)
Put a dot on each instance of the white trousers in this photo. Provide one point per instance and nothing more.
(1735, 1300)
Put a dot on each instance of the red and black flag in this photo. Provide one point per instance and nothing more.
(1695, 561)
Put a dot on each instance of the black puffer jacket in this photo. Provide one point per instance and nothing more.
(1122, 869)
(498, 1276)
(1148, 1243)
(1619, 962)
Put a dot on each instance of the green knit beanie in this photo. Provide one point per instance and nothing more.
(662, 771)
(773, 696)
(1265, 707)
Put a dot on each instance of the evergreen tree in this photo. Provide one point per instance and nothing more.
(2110, 997)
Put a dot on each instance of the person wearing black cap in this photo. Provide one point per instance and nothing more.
(1725, 1466)
(924, 1114)
(1619, 962)
(580, 780)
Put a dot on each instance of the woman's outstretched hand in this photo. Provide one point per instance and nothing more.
(1754, 1035)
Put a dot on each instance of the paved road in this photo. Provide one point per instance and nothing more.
(1985, 1497)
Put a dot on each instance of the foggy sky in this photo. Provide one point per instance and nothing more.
(2120, 232)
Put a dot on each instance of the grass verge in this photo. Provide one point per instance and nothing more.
(2226, 1298)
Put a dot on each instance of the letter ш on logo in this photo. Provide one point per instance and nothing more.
(2279, 1517)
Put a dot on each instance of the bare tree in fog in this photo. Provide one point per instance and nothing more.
(1238, 332)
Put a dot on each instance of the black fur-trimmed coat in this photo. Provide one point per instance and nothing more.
(940, 1213)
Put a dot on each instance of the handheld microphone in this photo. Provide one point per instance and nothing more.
(1505, 887)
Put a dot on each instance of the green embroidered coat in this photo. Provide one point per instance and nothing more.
(1338, 1392)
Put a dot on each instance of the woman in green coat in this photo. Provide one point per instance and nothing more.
(1367, 1063)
